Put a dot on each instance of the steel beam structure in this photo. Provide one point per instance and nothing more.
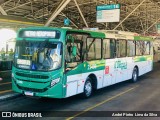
(56, 12)
(129, 14)
(135, 20)
(2, 11)
(81, 13)
(158, 20)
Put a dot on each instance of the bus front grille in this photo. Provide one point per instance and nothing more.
(32, 81)
(32, 76)
(32, 89)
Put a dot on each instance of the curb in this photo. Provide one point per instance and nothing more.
(9, 96)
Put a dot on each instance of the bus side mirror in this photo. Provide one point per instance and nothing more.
(74, 51)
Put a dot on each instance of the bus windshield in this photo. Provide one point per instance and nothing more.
(38, 55)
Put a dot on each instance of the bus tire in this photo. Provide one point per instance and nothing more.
(134, 75)
(88, 88)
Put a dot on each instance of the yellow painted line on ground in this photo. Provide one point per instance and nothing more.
(5, 83)
(5, 91)
(98, 104)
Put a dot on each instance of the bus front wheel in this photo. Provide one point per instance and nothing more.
(88, 88)
(135, 75)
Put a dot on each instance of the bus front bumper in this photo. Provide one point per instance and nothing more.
(50, 92)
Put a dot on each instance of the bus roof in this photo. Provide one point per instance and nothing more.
(91, 33)
(96, 34)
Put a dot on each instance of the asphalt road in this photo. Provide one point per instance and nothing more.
(143, 95)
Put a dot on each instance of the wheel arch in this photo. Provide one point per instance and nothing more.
(93, 80)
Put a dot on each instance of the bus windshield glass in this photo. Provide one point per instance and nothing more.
(38, 55)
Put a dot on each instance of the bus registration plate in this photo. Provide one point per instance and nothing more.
(28, 93)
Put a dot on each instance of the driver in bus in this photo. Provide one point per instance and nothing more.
(52, 59)
(55, 58)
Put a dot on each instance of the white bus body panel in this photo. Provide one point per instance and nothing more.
(75, 83)
(109, 73)
(109, 76)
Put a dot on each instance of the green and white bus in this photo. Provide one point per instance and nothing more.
(62, 62)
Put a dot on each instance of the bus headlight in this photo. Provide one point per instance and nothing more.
(55, 81)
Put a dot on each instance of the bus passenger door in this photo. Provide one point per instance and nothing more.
(109, 73)
(121, 69)
(120, 63)
(131, 47)
(108, 55)
(73, 68)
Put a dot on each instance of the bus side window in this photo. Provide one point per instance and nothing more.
(120, 48)
(73, 61)
(69, 57)
(93, 48)
(68, 52)
(139, 47)
(107, 48)
(112, 48)
(130, 48)
(146, 47)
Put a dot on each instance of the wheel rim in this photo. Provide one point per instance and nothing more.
(88, 88)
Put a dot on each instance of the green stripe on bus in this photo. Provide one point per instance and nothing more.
(143, 38)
